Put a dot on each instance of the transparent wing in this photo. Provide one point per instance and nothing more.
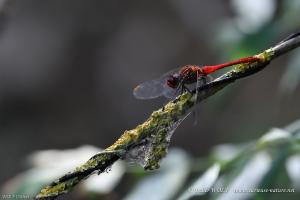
(171, 93)
(154, 88)
(209, 78)
(149, 89)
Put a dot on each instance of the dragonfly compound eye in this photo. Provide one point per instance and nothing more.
(173, 81)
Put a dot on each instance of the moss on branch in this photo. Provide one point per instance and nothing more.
(155, 131)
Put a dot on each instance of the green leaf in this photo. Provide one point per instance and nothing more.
(203, 184)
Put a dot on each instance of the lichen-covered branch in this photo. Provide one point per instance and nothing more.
(148, 143)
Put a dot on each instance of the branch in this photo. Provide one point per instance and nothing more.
(148, 143)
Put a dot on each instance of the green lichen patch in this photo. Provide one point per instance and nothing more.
(158, 119)
(267, 55)
(155, 131)
(264, 57)
(52, 190)
(91, 163)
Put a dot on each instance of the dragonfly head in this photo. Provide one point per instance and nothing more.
(173, 80)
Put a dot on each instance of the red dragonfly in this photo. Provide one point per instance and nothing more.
(177, 81)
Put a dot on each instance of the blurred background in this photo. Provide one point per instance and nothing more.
(68, 68)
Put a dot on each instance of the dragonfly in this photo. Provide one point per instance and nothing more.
(182, 79)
